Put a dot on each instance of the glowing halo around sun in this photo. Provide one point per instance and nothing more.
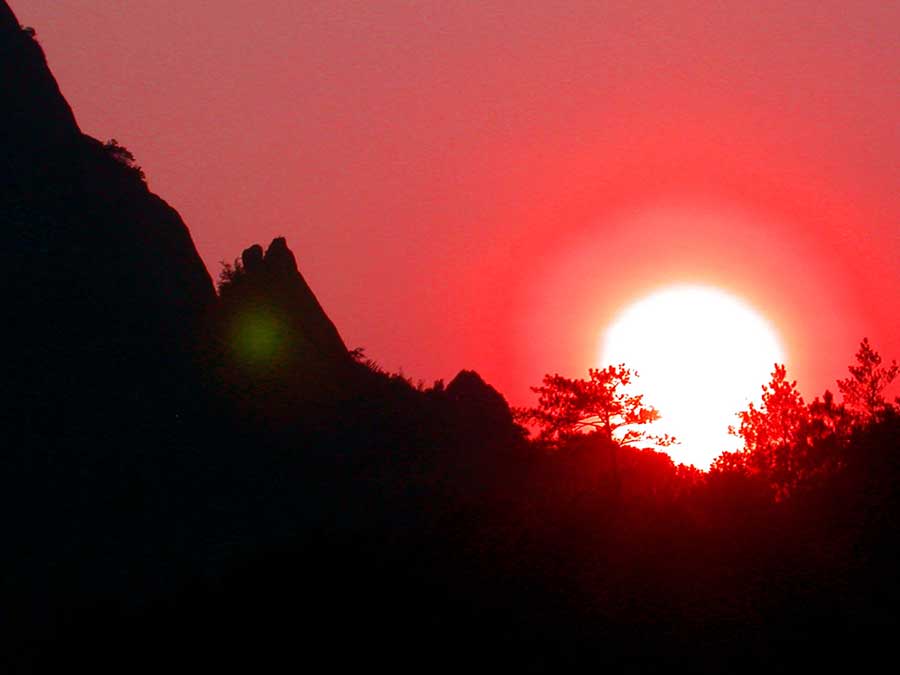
(702, 355)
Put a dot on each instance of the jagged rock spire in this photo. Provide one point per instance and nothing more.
(272, 279)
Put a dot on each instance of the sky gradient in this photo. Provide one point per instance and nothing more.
(485, 185)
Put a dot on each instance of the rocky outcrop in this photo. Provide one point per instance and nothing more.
(274, 324)
(479, 406)
(279, 266)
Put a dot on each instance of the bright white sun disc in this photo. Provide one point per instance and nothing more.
(702, 356)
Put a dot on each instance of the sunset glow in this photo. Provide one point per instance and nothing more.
(702, 355)
(417, 335)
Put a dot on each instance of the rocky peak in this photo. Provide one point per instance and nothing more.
(252, 259)
(481, 407)
(33, 112)
(280, 259)
(8, 21)
(272, 280)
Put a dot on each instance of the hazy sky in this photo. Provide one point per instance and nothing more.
(484, 184)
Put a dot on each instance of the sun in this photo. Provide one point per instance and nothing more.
(702, 355)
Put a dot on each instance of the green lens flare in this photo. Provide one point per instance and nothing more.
(258, 338)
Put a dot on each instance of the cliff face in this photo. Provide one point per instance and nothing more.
(104, 300)
(101, 274)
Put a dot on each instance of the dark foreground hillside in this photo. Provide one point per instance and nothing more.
(206, 479)
(536, 575)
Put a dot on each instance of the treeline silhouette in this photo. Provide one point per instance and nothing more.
(206, 477)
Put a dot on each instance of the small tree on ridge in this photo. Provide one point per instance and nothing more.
(568, 407)
(863, 391)
(601, 404)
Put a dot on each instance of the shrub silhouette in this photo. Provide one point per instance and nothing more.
(124, 157)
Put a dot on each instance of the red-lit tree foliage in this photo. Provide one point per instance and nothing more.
(600, 404)
(569, 409)
(771, 432)
(863, 391)
(789, 444)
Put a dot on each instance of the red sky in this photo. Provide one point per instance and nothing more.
(470, 185)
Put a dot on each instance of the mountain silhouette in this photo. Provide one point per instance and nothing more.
(155, 424)
(103, 277)
(107, 303)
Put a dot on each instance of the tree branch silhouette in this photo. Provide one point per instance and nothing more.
(600, 403)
